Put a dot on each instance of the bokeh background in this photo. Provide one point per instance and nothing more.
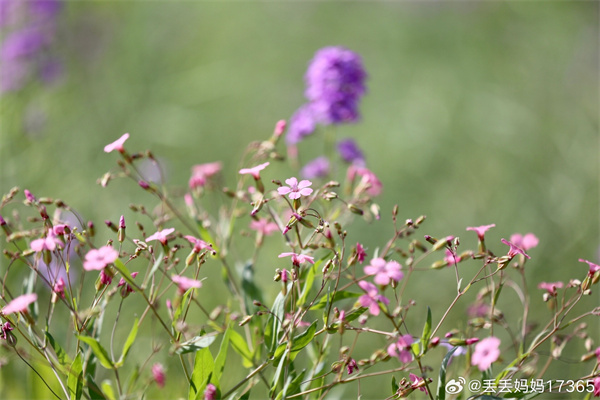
(476, 112)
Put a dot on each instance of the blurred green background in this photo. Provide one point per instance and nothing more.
(476, 112)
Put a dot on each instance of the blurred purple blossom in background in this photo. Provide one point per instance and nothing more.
(317, 168)
(334, 86)
(25, 51)
(350, 152)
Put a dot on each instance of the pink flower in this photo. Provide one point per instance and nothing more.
(369, 181)
(280, 127)
(123, 282)
(298, 259)
(597, 387)
(48, 243)
(593, 267)
(480, 230)
(486, 352)
(19, 304)
(372, 298)
(210, 393)
(60, 229)
(158, 372)
(550, 287)
(351, 366)
(416, 382)
(98, 259)
(478, 310)
(201, 173)
(451, 258)
(360, 253)
(529, 241)
(264, 226)
(29, 197)
(254, 171)
(199, 245)
(514, 250)
(5, 329)
(184, 284)
(161, 236)
(105, 279)
(295, 189)
(384, 271)
(401, 349)
(297, 321)
(59, 287)
(597, 352)
(117, 144)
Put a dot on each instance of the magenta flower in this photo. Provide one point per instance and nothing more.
(210, 393)
(161, 236)
(451, 258)
(5, 329)
(198, 244)
(98, 259)
(254, 171)
(117, 144)
(19, 304)
(529, 241)
(122, 282)
(593, 267)
(401, 349)
(351, 366)
(184, 284)
(417, 382)
(158, 372)
(264, 226)
(486, 352)
(372, 298)
(50, 242)
(60, 229)
(550, 287)
(514, 250)
(298, 259)
(480, 230)
(369, 181)
(59, 287)
(360, 253)
(597, 387)
(384, 271)
(295, 189)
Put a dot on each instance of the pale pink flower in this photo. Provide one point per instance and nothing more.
(264, 226)
(593, 267)
(529, 241)
(280, 127)
(480, 230)
(254, 171)
(117, 144)
(514, 250)
(372, 298)
(50, 242)
(401, 349)
(158, 372)
(199, 244)
(416, 382)
(384, 271)
(161, 236)
(185, 284)
(486, 352)
(369, 181)
(210, 393)
(550, 287)
(360, 253)
(451, 258)
(295, 189)
(19, 304)
(201, 173)
(298, 259)
(478, 310)
(98, 259)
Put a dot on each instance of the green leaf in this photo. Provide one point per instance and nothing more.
(426, 332)
(128, 342)
(196, 343)
(61, 355)
(108, 390)
(124, 272)
(155, 267)
(441, 395)
(308, 282)
(221, 358)
(93, 389)
(251, 291)
(277, 375)
(292, 386)
(75, 379)
(203, 368)
(98, 351)
(241, 347)
(273, 325)
(395, 386)
(179, 309)
(299, 342)
(341, 295)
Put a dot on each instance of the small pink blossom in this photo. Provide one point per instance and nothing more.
(198, 244)
(480, 230)
(158, 372)
(550, 287)
(478, 310)
(59, 288)
(401, 349)
(597, 352)
(117, 144)
(19, 304)
(372, 298)
(593, 267)
(105, 279)
(254, 171)
(360, 253)
(29, 197)
(486, 352)
(161, 236)
(369, 181)
(5, 329)
(184, 284)
(210, 393)
(597, 387)
(60, 229)
(50, 242)
(351, 366)
(202, 172)
(529, 241)
(384, 271)
(98, 259)
(123, 282)
(295, 189)
(264, 226)
(298, 259)
(280, 127)
(514, 250)
(417, 382)
(451, 258)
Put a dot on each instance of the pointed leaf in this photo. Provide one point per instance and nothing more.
(61, 355)
(308, 282)
(340, 295)
(203, 368)
(241, 347)
(196, 343)
(129, 342)
(442, 375)
(108, 390)
(75, 379)
(93, 390)
(98, 351)
(220, 359)
(426, 332)
(299, 342)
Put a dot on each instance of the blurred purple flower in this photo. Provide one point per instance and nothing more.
(302, 124)
(317, 168)
(350, 152)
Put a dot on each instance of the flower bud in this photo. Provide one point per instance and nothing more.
(354, 209)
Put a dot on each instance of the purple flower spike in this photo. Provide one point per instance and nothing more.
(317, 168)
(302, 124)
(350, 152)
